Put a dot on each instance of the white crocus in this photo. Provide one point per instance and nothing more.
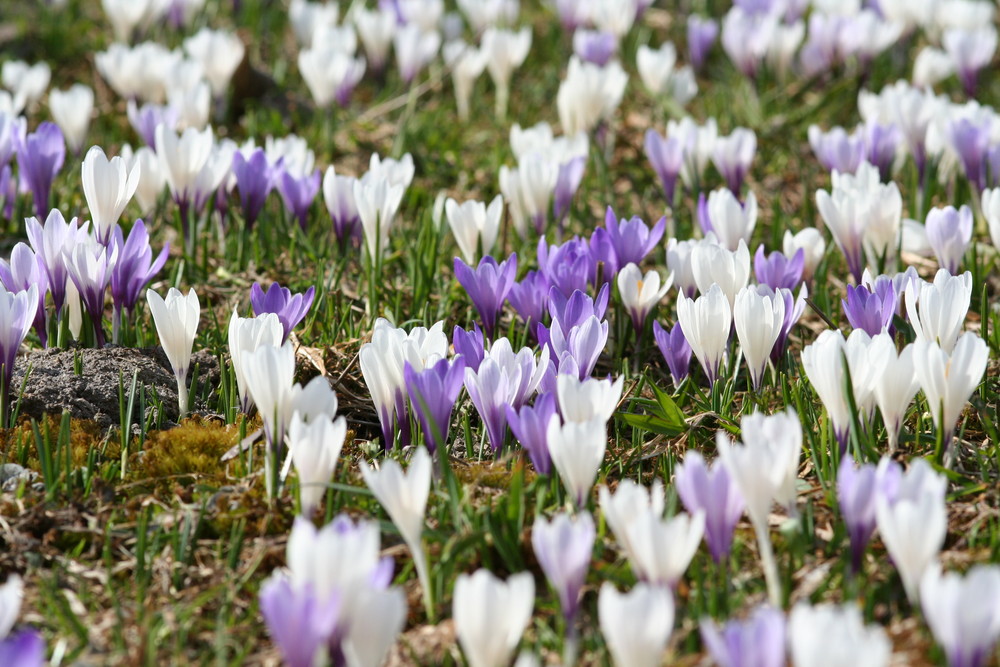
(404, 497)
(858, 355)
(71, 109)
(466, 63)
(397, 172)
(577, 450)
(629, 502)
(948, 379)
(376, 28)
(813, 247)
(963, 612)
(731, 221)
(714, 264)
(219, 53)
(528, 190)
(913, 530)
(176, 320)
(377, 203)
(330, 74)
(991, 211)
(414, 49)
(829, 635)
(474, 225)
(183, 157)
(246, 334)
(152, 180)
(585, 400)
(491, 615)
(314, 447)
(759, 319)
(660, 550)
(937, 310)
(11, 597)
(640, 293)
(589, 95)
(504, 51)
(27, 83)
(823, 362)
(895, 383)
(126, 16)
(377, 617)
(108, 186)
(661, 76)
(705, 322)
(636, 625)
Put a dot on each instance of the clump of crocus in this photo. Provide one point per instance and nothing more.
(90, 267)
(133, 270)
(433, 392)
(24, 271)
(176, 320)
(246, 334)
(290, 308)
(488, 286)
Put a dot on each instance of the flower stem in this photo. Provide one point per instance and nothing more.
(768, 562)
(182, 395)
(420, 562)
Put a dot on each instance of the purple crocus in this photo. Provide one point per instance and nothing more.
(602, 254)
(870, 310)
(666, 154)
(632, 239)
(12, 130)
(135, 268)
(794, 307)
(528, 298)
(594, 46)
(338, 193)
(971, 140)
(701, 36)
(675, 350)
(432, 393)
(577, 350)
(759, 641)
(298, 193)
(290, 308)
(733, 155)
(564, 548)
(470, 345)
(488, 286)
(710, 490)
(144, 120)
(858, 489)
(949, 231)
(578, 308)
(569, 266)
(881, 147)
(488, 388)
(24, 649)
(17, 312)
(529, 425)
(299, 620)
(255, 179)
(837, 150)
(90, 266)
(777, 270)
(971, 51)
(8, 192)
(40, 156)
(24, 270)
(567, 183)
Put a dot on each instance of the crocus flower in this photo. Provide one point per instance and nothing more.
(300, 622)
(176, 320)
(882, 143)
(577, 451)
(811, 242)
(246, 334)
(568, 181)
(563, 548)
(629, 501)
(712, 264)
(528, 189)
(183, 158)
(723, 215)
(758, 641)
(661, 76)
(828, 634)
(710, 491)
(705, 323)
(51, 243)
(466, 63)
(837, 150)
(144, 120)
(594, 46)
(567, 313)
(970, 139)
(290, 308)
(255, 179)
(584, 400)
(937, 310)
(377, 202)
(913, 523)
(219, 52)
(970, 51)
(108, 187)
(759, 316)
(90, 266)
(680, 262)
(314, 447)
(949, 379)
(18, 312)
(576, 351)
(491, 615)
(487, 286)
(895, 382)
(474, 225)
(589, 95)
(433, 392)
(404, 497)
(40, 156)
(777, 270)
(675, 350)
(701, 35)
(963, 612)
(470, 345)
(414, 50)
(530, 426)
(528, 298)
(338, 194)
(71, 110)
(949, 232)
(823, 362)
(330, 73)
(505, 51)
(632, 239)
(298, 193)
(134, 269)
(636, 625)
(24, 271)
(858, 488)
(659, 550)
(569, 266)
(870, 311)
(640, 293)
(733, 155)
(666, 155)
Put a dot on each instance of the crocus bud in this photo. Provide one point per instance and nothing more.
(705, 323)
(640, 293)
(577, 450)
(712, 264)
(759, 640)
(176, 320)
(108, 186)
(474, 225)
(949, 232)
(895, 382)
(970, 51)
(414, 50)
(467, 63)
(432, 393)
(40, 156)
(71, 110)
(813, 632)
(661, 76)
(330, 74)
(219, 53)
(290, 308)
(711, 492)
(491, 615)
(733, 155)
(246, 334)
(636, 625)
(505, 51)
(811, 242)
(487, 286)
(701, 35)
(937, 310)
(563, 548)
(314, 447)
(963, 613)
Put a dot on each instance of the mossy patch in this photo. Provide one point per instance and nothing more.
(19, 444)
(190, 451)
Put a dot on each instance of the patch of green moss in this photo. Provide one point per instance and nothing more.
(19, 445)
(190, 451)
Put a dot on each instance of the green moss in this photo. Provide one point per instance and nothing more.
(192, 450)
